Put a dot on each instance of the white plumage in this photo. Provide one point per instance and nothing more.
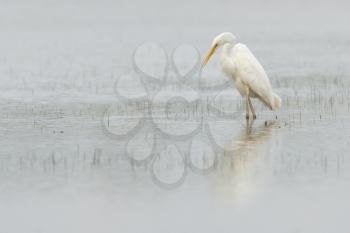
(239, 64)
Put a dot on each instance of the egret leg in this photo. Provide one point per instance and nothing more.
(247, 105)
(249, 127)
(252, 108)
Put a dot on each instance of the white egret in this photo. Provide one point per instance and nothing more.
(239, 64)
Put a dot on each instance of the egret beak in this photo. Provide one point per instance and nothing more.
(210, 53)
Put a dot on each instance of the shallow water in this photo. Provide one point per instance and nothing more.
(94, 139)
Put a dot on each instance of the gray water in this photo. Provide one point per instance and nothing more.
(91, 144)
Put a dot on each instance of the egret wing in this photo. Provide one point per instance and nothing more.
(253, 74)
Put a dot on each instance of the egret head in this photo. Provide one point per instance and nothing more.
(221, 39)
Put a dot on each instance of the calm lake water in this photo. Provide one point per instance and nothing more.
(108, 125)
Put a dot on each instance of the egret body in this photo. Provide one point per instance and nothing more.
(240, 65)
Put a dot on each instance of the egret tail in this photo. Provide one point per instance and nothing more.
(277, 102)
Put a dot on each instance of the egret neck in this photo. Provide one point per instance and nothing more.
(226, 61)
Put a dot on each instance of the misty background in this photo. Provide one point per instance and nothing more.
(59, 172)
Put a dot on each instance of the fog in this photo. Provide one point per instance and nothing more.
(108, 125)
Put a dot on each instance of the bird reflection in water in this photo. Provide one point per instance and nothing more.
(243, 168)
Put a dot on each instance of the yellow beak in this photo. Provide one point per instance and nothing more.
(210, 53)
